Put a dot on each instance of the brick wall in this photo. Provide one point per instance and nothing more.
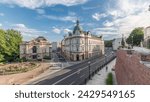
(129, 70)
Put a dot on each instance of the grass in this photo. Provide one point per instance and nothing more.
(109, 80)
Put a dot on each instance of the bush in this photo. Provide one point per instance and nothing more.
(47, 57)
(109, 80)
(24, 59)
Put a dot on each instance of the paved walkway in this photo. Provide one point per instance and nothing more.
(100, 77)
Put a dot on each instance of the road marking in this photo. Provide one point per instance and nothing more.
(76, 72)
(82, 76)
(72, 82)
(67, 76)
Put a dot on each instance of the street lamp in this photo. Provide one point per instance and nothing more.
(89, 69)
(112, 53)
(105, 58)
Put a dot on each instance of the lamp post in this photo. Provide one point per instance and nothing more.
(112, 53)
(89, 69)
(105, 58)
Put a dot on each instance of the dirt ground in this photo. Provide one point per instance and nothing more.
(21, 78)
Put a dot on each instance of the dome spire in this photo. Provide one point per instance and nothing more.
(77, 28)
(78, 22)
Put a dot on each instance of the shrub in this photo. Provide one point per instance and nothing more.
(109, 80)
(47, 57)
(24, 59)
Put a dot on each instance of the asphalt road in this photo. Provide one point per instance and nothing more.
(77, 74)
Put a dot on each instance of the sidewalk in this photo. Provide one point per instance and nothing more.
(100, 77)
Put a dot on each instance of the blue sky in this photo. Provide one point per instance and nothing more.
(54, 18)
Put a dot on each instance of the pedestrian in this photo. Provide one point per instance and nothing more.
(106, 68)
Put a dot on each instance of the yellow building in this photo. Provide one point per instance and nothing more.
(80, 45)
(35, 49)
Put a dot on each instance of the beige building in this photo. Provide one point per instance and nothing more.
(80, 45)
(147, 37)
(38, 48)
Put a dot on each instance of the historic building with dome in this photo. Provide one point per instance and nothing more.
(36, 49)
(79, 45)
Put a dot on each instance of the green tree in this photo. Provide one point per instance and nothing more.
(13, 39)
(136, 36)
(9, 44)
(108, 43)
(3, 46)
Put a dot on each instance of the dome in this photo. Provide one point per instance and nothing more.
(77, 27)
(40, 38)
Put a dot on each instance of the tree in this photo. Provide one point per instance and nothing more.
(9, 44)
(13, 40)
(122, 42)
(108, 43)
(3, 47)
(136, 36)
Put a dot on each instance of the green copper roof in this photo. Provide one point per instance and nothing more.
(77, 27)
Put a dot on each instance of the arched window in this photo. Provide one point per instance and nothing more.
(34, 49)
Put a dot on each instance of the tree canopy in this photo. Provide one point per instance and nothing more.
(136, 36)
(9, 44)
(108, 43)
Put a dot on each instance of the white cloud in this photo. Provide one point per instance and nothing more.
(40, 11)
(129, 14)
(105, 29)
(67, 30)
(32, 4)
(66, 18)
(108, 32)
(90, 7)
(56, 30)
(108, 24)
(1, 14)
(27, 32)
(72, 13)
(98, 16)
(0, 24)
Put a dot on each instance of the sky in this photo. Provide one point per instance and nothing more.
(55, 18)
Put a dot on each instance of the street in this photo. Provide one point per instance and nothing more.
(76, 74)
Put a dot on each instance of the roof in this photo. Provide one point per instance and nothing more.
(40, 38)
(77, 27)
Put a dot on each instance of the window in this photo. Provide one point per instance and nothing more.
(34, 49)
(82, 48)
(77, 41)
(77, 47)
(24, 51)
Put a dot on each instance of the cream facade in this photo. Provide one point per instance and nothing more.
(80, 45)
(147, 37)
(35, 49)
